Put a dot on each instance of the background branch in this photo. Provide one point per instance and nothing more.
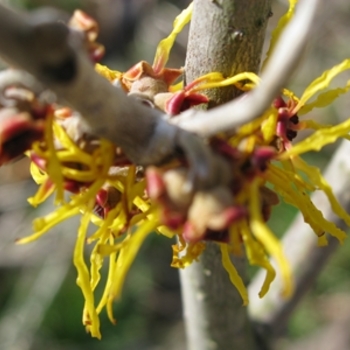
(272, 313)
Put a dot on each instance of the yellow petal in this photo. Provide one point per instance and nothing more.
(325, 99)
(250, 128)
(268, 127)
(315, 176)
(53, 166)
(185, 253)
(215, 80)
(44, 192)
(109, 74)
(83, 279)
(109, 280)
(108, 249)
(282, 23)
(96, 262)
(256, 256)
(312, 124)
(126, 257)
(235, 278)
(37, 174)
(284, 183)
(177, 87)
(318, 139)
(264, 235)
(96, 257)
(42, 225)
(322, 83)
(164, 47)
(290, 95)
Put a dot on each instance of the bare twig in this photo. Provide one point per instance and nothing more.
(300, 245)
(278, 70)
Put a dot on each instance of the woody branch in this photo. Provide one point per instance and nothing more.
(40, 45)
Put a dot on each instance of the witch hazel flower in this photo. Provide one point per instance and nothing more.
(126, 202)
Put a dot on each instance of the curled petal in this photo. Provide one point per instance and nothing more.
(323, 82)
(282, 23)
(85, 24)
(18, 131)
(136, 71)
(319, 139)
(90, 319)
(181, 101)
(109, 74)
(215, 80)
(263, 234)
(164, 47)
(233, 274)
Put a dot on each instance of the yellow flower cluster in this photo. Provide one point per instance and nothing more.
(114, 196)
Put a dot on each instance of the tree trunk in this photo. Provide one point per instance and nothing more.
(225, 36)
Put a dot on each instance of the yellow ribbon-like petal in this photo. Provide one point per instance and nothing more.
(164, 47)
(109, 74)
(285, 185)
(53, 166)
(185, 253)
(256, 256)
(282, 23)
(235, 278)
(109, 280)
(322, 83)
(216, 80)
(83, 280)
(125, 259)
(263, 234)
(315, 176)
(318, 139)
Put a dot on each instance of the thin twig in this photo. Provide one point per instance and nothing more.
(300, 245)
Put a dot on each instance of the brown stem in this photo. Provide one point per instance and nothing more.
(225, 36)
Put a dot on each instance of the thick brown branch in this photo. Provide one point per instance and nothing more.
(225, 36)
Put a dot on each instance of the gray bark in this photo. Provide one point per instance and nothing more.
(225, 36)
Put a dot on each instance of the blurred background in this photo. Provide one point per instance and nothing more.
(40, 304)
